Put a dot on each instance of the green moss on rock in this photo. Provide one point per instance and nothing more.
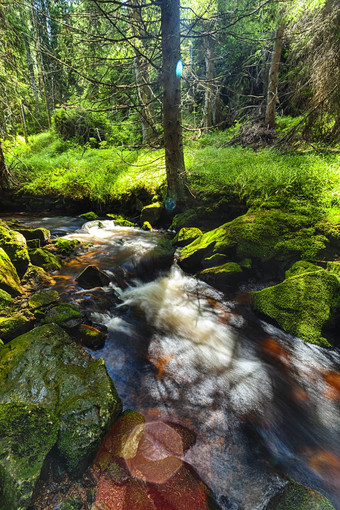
(120, 220)
(45, 367)
(152, 213)
(40, 233)
(186, 236)
(43, 298)
(11, 327)
(36, 277)
(66, 246)
(9, 279)
(14, 244)
(44, 258)
(273, 240)
(298, 497)
(90, 216)
(27, 434)
(222, 276)
(5, 299)
(304, 304)
(64, 315)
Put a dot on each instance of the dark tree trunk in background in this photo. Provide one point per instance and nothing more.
(173, 140)
(4, 173)
(273, 81)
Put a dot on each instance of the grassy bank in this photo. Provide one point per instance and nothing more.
(49, 165)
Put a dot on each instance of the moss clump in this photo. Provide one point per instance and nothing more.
(186, 236)
(44, 258)
(297, 497)
(71, 504)
(90, 216)
(120, 220)
(5, 299)
(146, 226)
(9, 279)
(66, 246)
(65, 315)
(27, 434)
(187, 219)
(44, 298)
(14, 244)
(11, 327)
(304, 304)
(44, 366)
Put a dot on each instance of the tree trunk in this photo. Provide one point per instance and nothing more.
(173, 139)
(142, 75)
(272, 97)
(4, 173)
(209, 119)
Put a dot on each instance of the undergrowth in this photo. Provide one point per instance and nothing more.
(50, 165)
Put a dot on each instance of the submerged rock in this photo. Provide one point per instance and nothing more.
(305, 304)
(27, 434)
(298, 497)
(14, 244)
(45, 367)
(9, 279)
(92, 277)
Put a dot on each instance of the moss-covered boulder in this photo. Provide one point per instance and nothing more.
(65, 314)
(222, 276)
(45, 367)
(44, 258)
(9, 279)
(40, 233)
(273, 239)
(186, 236)
(11, 327)
(27, 434)
(36, 277)
(5, 299)
(152, 213)
(305, 304)
(298, 497)
(14, 244)
(89, 216)
(66, 246)
(43, 298)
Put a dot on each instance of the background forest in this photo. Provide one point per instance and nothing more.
(89, 75)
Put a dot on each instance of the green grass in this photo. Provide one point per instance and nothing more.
(49, 165)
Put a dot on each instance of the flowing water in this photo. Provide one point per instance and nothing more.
(261, 402)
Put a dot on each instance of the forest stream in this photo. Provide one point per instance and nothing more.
(262, 402)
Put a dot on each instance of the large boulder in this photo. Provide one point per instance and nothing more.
(186, 236)
(11, 327)
(5, 299)
(45, 367)
(27, 434)
(40, 233)
(305, 304)
(36, 277)
(64, 314)
(92, 277)
(298, 497)
(272, 239)
(9, 279)
(152, 213)
(14, 244)
(222, 276)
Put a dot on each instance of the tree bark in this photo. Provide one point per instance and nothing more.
(209, 119)
(272, 97)
(4, 173)
(173, 139)
(142, 75)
